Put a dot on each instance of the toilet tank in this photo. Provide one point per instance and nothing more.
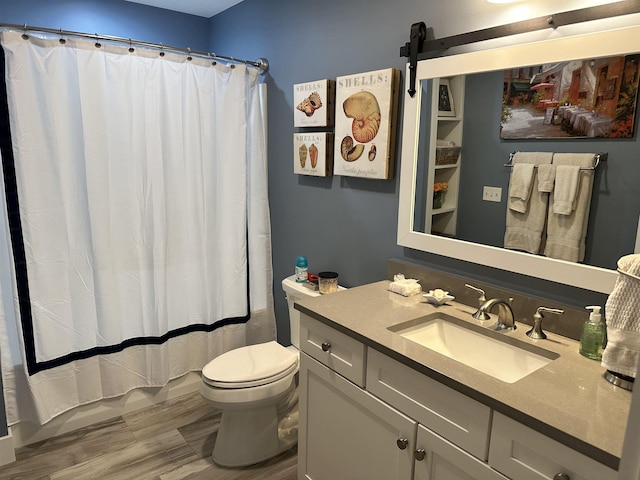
(295, 291)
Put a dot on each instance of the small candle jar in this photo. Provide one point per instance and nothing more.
(328, 282)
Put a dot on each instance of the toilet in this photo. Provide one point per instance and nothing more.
(255, 387)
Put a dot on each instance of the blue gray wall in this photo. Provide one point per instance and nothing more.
(341, 223)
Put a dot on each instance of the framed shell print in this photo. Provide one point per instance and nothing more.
(314, 103)
(366, 111)
(313, 153)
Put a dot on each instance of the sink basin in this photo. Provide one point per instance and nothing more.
(495, 354)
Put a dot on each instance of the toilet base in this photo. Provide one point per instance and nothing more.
(250, 434)
(249, 437)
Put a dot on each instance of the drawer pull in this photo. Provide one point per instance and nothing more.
(326, 346)
(561, 476)
(419, 454)
(402, 443)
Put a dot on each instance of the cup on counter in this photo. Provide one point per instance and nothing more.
(328, 282)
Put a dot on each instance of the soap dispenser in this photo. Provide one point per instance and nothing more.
(593, 333)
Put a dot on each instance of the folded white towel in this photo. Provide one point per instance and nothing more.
(566, 233)
(546, 177)
(566, 189)
(622, 309)
(520, 186)
(524, 229)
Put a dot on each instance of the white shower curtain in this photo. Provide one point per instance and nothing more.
(138, 216)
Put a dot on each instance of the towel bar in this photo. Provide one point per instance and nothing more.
(599, 157)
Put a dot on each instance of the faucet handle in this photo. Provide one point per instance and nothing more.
(481, 298)
(536, 332)
(479, 314)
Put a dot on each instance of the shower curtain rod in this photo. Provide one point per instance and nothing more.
(262, 64)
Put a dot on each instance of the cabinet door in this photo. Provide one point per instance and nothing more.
(438, 459)
(348, 434)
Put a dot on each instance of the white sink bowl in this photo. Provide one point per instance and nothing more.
(489, 352)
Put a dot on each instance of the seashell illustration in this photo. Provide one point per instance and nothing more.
(310, 104)
(372, 152)
(302, 154)
(313, 153)
(365, 111)
(349, 151)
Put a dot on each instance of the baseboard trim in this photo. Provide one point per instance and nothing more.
(7, 449)
(25, 433)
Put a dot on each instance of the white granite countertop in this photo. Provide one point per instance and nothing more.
(567, 400)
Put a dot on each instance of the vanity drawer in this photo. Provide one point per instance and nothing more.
(520, 452)
(334, 349)
(456, 417)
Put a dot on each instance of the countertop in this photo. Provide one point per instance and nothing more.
(567, 400)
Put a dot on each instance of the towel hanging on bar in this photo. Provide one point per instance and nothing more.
(598, 157)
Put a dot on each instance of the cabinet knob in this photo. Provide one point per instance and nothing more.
(326, 346)
(561, 476)
(402, 443)
(419, 454)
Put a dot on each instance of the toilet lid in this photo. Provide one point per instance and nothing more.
(250, 366)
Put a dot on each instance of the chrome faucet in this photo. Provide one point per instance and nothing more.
(505, 313)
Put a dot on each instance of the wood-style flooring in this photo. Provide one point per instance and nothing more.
(168, 441)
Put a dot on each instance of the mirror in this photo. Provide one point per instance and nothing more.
(474, 232)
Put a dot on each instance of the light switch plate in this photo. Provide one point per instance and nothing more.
(492, 194)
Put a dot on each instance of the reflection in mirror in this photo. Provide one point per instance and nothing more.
(579, 108)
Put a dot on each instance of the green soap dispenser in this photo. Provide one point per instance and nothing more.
(593, 334)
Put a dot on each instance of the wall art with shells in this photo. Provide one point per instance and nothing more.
(313, 153)
(314, 103)
(366, 113)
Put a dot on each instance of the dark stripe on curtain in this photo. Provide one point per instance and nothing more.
(20, 263)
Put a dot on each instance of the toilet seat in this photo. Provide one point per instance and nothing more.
(250, 366)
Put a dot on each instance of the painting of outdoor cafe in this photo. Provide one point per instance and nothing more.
(575, 99)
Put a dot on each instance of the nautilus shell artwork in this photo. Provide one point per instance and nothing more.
(302, 155)
(313, 155)
(350, 151)
(310, 104)
(365, 111)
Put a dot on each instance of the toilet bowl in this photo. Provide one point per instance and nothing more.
(255, 388)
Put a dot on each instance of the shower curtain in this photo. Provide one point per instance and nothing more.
(136, 220)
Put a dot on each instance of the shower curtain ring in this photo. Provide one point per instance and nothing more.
(131, 49)
(24, 35)
(214, 63)
(62, 39)
(233, 65)
(189, 58)
(98, 44)
(161, 51)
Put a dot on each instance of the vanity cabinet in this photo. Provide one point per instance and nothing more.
(444, 141)
(398, 423)
(346, 433)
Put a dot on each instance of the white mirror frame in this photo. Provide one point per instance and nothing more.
(601, 44)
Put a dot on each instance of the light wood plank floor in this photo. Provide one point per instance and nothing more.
(169, 441)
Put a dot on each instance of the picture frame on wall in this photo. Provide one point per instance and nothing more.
(313, 153)
(445, 99)
(314, 103)
(365, 124)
